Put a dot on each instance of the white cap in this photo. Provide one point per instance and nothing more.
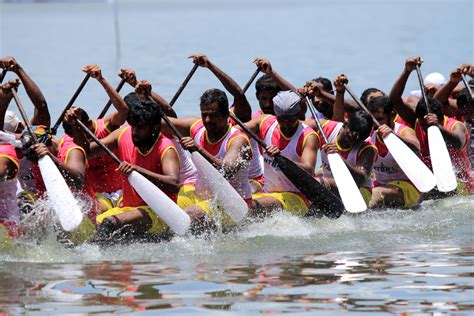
(286, 103)
(433, 78)
(11, 122)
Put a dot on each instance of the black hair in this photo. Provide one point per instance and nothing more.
(326, 83)
(435, 107)
(266, 82)
(142, 112)
(365, 94)
(361, 123)
(218, 97)
(464, 99)
(380, 102)
(69, 129)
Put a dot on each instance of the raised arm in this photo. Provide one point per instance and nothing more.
(406, 113)
(339, 108)
(5, 99)
(117, 118)
(241, 105)
(443, 94)
(41, 114)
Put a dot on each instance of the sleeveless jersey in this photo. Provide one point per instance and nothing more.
(459, 157)
(240, 181)
(102, 173)
(386, 168)
(152, 160)
(8, 207)
(291, 148)
(351, 156)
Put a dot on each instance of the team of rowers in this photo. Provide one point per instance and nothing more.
(136, 133)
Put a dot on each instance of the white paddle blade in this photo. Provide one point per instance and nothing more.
(64, 204)
(441, 161)
(418, 173)
(233, 204)
(348, 189)
(160, 203)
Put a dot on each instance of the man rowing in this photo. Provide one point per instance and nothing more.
(348, 139)
(142, 147)
(454, 132)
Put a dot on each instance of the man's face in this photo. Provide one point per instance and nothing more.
(382, 117)
(144, 134)
(288, 124)
(374, 95)
(214, 121)
(265, 100)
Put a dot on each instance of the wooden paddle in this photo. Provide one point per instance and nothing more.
(183, 85)
(440, 159)
(109, 103)
(233, 204)
(3, 74)
(156, 199)
(418, 173)
(321, 197)
(464, 80)
(54, 129)
(348, 189)
(60, 196)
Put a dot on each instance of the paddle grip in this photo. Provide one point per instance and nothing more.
(183, 85)
(71, 102)
(361, 105)
(313, 112)
(98, 142)
(109, 103)
(3, 74)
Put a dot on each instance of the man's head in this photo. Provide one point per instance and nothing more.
(382, 109)
(83, 116)
(12, 123)
(287, 106)
(266, 89)
(144, 118)
(435, 107)
(370, 93)
(358, 127)
(322, 106)
(214, 111)
(464, 102)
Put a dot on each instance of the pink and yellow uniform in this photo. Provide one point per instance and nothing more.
(350, 155)
(459, 157)
(102, 173)
(240, 181)
(277, 184)
(387, 171)
(9, 212)
(152, 161)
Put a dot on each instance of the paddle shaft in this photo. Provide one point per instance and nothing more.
(464, 80)
(109, 103)
(183, 85)
(313, 112)
(71, 102)
(247, 85)
(98, 142)
(166, 118)
(422, 87)
(3, 74)
(23, 114)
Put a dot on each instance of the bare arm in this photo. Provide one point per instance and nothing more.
(309, 154)
(365, 164)
(339, 108)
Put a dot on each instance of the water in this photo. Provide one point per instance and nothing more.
(390, 262)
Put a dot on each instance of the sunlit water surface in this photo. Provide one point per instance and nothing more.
(390, 262)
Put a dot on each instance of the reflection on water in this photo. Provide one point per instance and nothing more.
(388, 262)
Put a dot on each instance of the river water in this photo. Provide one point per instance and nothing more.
(391, 262)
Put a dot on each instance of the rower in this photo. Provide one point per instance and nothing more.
(454, 132)
(392, 188)
(285, 134)
(142, 147)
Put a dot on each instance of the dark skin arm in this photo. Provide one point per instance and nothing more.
(73, 171)
(241, 105)
(339, 109)
(407, 113)
(5, 98)
(168, 181)
(408, 136)
(443, 94)
(143, 90)
(41, 115)
(455, 138)
(117, 118)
